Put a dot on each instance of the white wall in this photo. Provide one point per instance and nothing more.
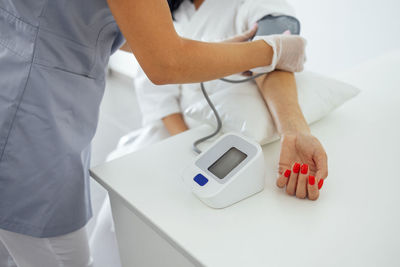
(343, 33)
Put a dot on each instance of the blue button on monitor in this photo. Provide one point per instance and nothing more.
(200, 179)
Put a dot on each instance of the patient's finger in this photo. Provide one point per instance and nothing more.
(301, 190)
(283, 179)
(245, 36)
(312, 188)
(247, 73)
(291, 186)
(321, 162)
(320, 183)
(248, 34)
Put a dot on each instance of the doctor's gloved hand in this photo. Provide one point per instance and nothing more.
(303, 165)
(289, 52)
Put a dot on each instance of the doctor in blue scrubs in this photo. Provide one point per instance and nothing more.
(53, 58)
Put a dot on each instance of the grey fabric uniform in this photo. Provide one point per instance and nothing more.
(53, 57)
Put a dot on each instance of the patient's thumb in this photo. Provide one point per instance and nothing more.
(244, 36)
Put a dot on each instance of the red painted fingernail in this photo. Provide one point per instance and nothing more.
(287, 173)
(304, 169)
(320, 183)
(311, 180)
(296, 167)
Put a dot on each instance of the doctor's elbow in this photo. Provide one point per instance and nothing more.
(160, 74)
(156, 79)
(170, 67)
(160, 77)
(165, 73)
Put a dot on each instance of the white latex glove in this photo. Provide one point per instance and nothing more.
(289, 52)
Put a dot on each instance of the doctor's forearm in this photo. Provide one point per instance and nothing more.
(280, 93)
(184, 70)
(199, 61)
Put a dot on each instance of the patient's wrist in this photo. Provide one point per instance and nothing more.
(294, 127)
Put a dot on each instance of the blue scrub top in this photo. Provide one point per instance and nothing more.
(53, 58)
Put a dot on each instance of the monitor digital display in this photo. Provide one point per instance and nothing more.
(227, 162)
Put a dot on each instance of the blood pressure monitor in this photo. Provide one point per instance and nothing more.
(233, 167)
(230, 170)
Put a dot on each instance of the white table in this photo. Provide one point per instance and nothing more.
(356, 221)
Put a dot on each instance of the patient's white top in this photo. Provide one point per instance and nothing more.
(215, 20)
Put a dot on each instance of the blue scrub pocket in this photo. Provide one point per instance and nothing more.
(63, 54)
(70, 38)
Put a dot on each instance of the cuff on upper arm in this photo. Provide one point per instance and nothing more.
(252, 11)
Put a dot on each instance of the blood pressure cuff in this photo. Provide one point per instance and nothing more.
(269, 25)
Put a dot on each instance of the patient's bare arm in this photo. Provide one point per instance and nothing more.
(303, 161)
(175, 123)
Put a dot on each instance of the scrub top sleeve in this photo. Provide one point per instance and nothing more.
(252, 11)
(118, 42)
(156, 101)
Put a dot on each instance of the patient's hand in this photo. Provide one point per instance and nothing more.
(302, 165)
(175, 123)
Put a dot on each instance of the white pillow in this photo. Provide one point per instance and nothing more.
(243, 110)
